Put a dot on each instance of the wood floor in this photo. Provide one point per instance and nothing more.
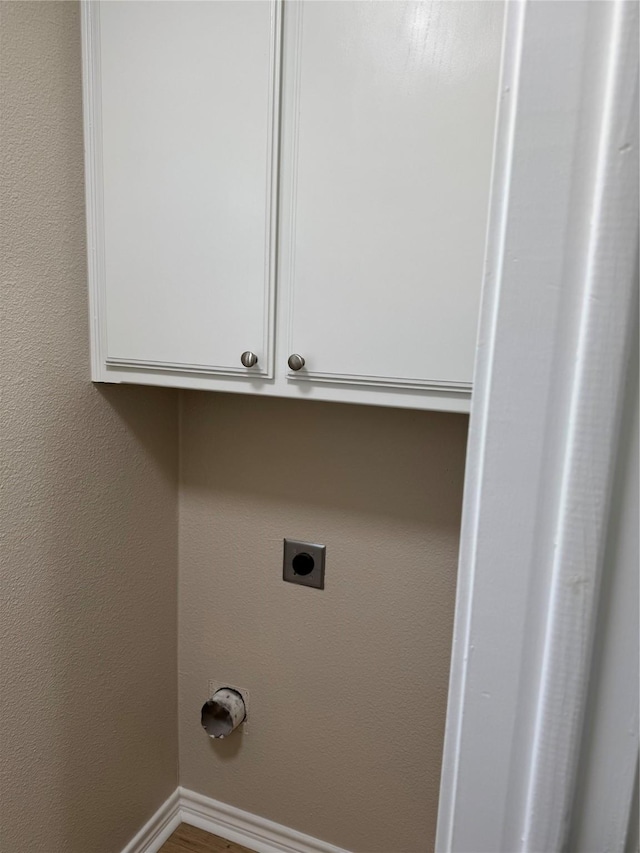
(189, 839)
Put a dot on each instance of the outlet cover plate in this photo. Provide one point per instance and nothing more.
(303, 563)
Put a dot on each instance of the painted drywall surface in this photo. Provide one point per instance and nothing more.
(348, 686)
(89, 519)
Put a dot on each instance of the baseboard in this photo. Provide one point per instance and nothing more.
(156, 831)
(256, 833)
(249, 830)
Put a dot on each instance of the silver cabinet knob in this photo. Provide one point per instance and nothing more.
(249, 359)
(295, 361)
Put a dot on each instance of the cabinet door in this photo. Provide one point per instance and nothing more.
(389, 127)
(183, 99)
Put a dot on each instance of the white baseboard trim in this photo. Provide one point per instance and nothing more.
(256, 833)
(156, 831)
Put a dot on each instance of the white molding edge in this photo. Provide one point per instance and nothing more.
(156, 831)
(606, 809)
(554, 342)
(228, 822)
(256, 833)
(448, 808)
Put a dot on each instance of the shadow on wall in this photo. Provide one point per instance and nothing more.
(143, 411)
(362, 459)
(110, 546)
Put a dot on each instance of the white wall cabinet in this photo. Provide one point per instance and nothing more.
(310, 178)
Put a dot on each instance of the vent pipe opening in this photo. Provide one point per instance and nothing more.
(223, 713)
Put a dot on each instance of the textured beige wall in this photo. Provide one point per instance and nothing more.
(88, 624)
(348, 686)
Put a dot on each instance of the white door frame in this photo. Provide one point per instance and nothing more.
(556, 329)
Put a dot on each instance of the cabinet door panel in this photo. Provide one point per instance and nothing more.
(389, 131)
(187, 100)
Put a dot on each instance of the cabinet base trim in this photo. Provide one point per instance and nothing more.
(178, 367)
(387, 381)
